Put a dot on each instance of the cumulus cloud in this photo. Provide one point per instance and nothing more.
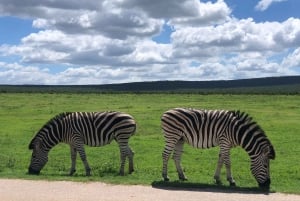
(182, 12)
(293, 59)
(265, 4)
(57, 47)
(35, 8)
(236, 36)
(203, 14)
(88, 17)
(14, 73)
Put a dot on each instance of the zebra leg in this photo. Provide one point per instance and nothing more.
(82, 154)
(218, 170)
(123, 154)
(73, 159)
(130, 158)
(177, 159)
(227, 163)
(169, 148)
(166, 156)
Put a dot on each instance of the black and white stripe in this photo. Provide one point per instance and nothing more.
(83, 128)
(209, 128)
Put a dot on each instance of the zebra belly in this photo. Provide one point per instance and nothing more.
(98, 144)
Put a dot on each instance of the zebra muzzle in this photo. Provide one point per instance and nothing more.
(265, 185)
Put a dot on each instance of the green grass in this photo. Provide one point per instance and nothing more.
(23, 114)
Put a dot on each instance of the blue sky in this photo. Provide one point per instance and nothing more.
(100, 42)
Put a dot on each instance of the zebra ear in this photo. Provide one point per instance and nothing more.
(271, 153)
(31, 145)
(35, 143)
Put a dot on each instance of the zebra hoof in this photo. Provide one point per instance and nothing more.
(183, 179)
(72, 172)
(218, 182)
(166, 179)
(33, 172)
(232, 184)
(88, 173)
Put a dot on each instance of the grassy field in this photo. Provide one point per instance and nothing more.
(23, 114)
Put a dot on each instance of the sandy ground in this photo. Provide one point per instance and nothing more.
(15, 190)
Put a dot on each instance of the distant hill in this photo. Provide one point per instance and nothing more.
(268, 85)
(202, 85)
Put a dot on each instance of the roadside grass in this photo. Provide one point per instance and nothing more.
(23, 114)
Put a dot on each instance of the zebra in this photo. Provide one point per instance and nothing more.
(209, 128)
(83, 128)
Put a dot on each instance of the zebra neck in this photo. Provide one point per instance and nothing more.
(253, 142)
(51, 135)
(49, 141)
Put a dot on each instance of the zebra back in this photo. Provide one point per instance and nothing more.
(100, 128)
(199, 128)
(94, 128)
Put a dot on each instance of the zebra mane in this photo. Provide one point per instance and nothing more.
(245, 119)
(242, 116)
(55, 118)
(58, 117)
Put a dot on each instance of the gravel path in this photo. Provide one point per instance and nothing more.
(20, 190)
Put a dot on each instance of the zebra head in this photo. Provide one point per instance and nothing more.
(260, 166)
(39, 156)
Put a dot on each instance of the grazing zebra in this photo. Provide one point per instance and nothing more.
(209, 128)
(83, 128)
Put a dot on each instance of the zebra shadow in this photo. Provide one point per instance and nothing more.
(200, 187)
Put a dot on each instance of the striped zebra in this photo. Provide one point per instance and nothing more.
(209, 128)
(83, 128)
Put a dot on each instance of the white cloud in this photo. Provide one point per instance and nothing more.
(265, 4)
(236, 36)
(14, 73)
(57, 47)
(35, 8)
(292, 60)
(203, 14)
(88, 17)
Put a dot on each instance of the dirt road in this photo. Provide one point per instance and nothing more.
(20, 190)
